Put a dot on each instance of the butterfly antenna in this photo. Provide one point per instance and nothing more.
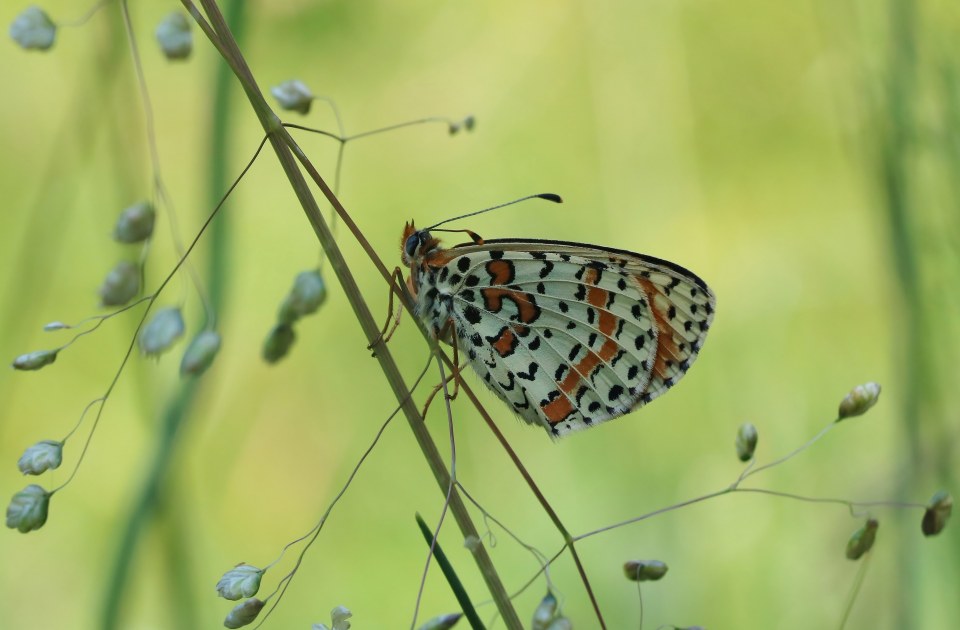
(548, 196)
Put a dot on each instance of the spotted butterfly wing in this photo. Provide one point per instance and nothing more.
(568, 335)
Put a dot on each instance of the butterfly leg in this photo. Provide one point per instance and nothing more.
(444, 332)
(386, 332)
(455, 377)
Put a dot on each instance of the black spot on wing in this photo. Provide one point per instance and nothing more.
(616, 359)
(530, 374)
(472, 314)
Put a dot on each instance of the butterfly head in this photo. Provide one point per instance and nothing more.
(416, 245)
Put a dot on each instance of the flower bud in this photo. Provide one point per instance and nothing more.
(28, 509)
(545, 613)
(33, 29)
(859, 400)
(293, 95)
(200, 354)
(243, 613)
(862, 540)
(163, 329)
(443, 622)
(308, 293)
(746, 441)
(41, 457)
(135, 223)
(937, 513)
(278, 343)
(644, 570)
(242, 580)
(121, 284)
(174, 36)
(35, 360)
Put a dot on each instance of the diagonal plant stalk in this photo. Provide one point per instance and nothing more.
(401, 292)
(272, 124)
(220, 36)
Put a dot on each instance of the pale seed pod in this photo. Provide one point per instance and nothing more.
(306, 296)
(560, 623)
(200, 353)
(293, 95)
(241, 581)
(162, 331)
(339, 617)
(41, 457)
(28, 508)
(442, 622)
(135, 223)
(243, 613)
(121, 285)
(545, 613)
(35, 360)
(937, 514)
(174, 36)
(644, 570)
(859, 400)
(746, 441)
(33, 29)
(278, 342)
(862, 540)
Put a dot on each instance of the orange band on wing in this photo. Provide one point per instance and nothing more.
(527, 310)
(557, 409)
(666, 346)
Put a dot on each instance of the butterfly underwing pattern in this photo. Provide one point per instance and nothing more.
(568, 335)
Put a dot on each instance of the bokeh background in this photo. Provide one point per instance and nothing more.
(802, 157)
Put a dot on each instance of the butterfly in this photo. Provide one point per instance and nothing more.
(568, 335)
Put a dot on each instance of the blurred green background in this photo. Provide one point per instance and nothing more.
(803, 158)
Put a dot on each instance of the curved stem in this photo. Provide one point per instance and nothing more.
(284, 147)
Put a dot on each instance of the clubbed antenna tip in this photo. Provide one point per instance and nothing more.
(550, 197)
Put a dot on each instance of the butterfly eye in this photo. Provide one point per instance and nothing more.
(413, 242)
